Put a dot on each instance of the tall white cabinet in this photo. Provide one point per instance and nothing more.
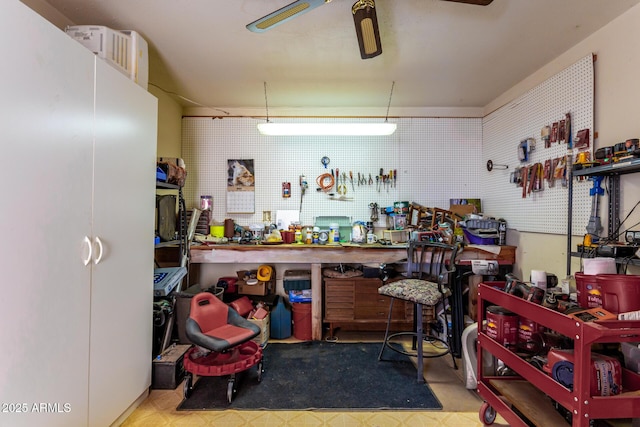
(77, 222)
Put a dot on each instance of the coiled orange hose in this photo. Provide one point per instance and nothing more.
(325, 182)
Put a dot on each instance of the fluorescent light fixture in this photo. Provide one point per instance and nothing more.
(345, 129)
(284, 14)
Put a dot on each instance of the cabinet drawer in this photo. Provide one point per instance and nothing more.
(339, 305)
(334, 314)
(374, 299)
(368, 287)
(338, 300)
(380, 311)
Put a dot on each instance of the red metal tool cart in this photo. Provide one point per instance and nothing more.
(529, 395)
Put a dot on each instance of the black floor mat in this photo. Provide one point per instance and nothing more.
(319, 375)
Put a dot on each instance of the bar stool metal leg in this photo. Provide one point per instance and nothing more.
(420, 339)
(386, 332)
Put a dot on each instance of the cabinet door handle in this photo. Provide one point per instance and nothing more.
(101, 248)
(87, 241)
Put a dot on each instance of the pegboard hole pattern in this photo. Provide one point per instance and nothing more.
(436, 159)
(570, 91)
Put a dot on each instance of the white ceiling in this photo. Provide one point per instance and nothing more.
(438, 53)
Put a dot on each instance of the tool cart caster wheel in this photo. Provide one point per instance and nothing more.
(487, 414)
(231, 389)
(188, 386)
(260, 370)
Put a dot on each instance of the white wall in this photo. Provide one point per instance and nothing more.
(427, 153)
(617, 88)
(169, 111)
(169, 124)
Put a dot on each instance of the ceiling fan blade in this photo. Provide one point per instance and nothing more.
(477, 2)
(366, 21)
(284, 14)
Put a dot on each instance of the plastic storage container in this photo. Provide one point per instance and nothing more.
(588, 290)
(478, 239)
(620, 292)
(300, 296)
(482, 223)
(296, 280)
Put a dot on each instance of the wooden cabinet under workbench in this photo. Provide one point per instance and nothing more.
(355, 304)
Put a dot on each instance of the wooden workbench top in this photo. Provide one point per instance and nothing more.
(334, 253)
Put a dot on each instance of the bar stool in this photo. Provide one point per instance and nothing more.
(428, 282)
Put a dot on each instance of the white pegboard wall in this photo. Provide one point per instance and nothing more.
(570, 91)
(436, 159)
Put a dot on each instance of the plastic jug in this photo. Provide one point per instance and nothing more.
(280, 320)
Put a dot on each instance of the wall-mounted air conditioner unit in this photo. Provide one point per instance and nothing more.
(125, 50)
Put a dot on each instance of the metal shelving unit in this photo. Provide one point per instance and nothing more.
(613, 171)
(181, 241)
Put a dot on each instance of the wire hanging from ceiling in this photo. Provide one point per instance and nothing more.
(266, 104)
(389, 104)
(188, 100)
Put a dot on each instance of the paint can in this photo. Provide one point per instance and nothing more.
(502, 325)
(530, 335)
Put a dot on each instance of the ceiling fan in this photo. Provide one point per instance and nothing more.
(364, 17)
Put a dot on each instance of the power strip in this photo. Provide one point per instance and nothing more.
(617, 250)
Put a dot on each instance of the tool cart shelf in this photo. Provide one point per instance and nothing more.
(531, 392)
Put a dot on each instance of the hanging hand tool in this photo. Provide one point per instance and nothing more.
(594, 227)
(374, 211)
(325, 161)
(390, 177)
(532, 177)
(378, 183)
(332, 196)
(351, 179)
(359, 178)
(395, 177)
(342, 188)
(370, 180)
(525, 176)
(539, 185)
(381, 175)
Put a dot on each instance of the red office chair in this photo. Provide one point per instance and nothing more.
(217, 327)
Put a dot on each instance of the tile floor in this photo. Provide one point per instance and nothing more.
(460, 407)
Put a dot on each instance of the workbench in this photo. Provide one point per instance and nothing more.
(319, 255)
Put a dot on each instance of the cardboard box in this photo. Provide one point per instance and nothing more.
(246, 274)
(261, 288)
(265, 327)
(463, 210)
(168, 368)
(593, 314)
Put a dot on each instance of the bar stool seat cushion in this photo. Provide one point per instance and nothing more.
(415, 290)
